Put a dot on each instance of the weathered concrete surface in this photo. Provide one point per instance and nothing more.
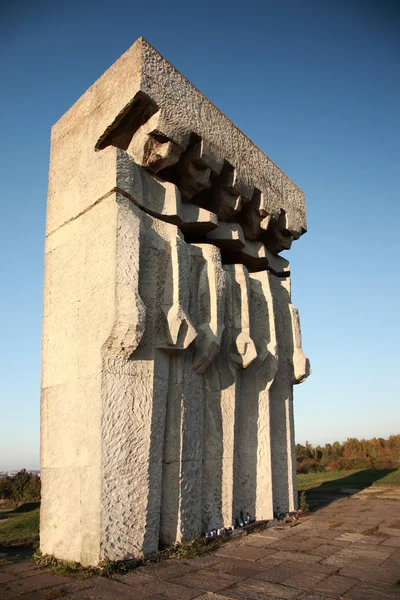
(334, 554)
(170, 342)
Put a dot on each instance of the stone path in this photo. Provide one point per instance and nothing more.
(348, 550)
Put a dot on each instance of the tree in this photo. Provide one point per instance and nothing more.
(32, 489)
(6, 488)
(20, 481)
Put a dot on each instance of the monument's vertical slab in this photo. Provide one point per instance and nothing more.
(170, 343)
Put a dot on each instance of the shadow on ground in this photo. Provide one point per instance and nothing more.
(19, 530)
(27, 507)
(342, 487)
(16, 554)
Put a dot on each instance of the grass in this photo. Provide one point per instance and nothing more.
(395, 525)
(67, 568)
(333, 481)
(374, 531)
(20, 526)
(194, 549)
(303, 504)
(197, 547)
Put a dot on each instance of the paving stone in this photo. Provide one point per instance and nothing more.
(368, 591)
(367, 570)
(266, 587)
(240, 568)
(271, 560)
(134, 579)
(350, 537)
(167, 569)
(242, 593)
(392, 541)
(209, 596)
(245, 552)
(336, 561)
(312, 532)
(4, 577)
(24, 568)
(294, 545)
(76, 585)
(258, 541)
(371, 540)
(304, 579)
(37, 582)
(278, 573)
(310, 527)
(172, 590)
(203, 562)
(244, 572)
(46, 594)
(301, 536)
(378, 553)
(106, 589)
(334, 519)
(276, 532)
(351, 529)
(320, 534)
(372, 522)
(334, 525)
(311, 596)
(209, 581)
(140, 594)
(394, 560)
(7, 594)
(288, 570)
(392, 531)
(335, 585)
(324, 550)
(349, 521)
(144, 595)
(297, 556)
(330, 541)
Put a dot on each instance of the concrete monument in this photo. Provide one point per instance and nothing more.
(170, 343)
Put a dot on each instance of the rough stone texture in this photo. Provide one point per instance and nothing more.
(170, 343)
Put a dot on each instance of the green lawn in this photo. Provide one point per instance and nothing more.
(19, 526)
(332, 481)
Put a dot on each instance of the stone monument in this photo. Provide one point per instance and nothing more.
(170, 343)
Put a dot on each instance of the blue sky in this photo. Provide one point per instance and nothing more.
(316, 85)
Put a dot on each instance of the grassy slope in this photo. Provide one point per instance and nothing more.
(362, 478)
(20, 527)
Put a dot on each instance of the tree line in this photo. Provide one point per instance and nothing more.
(22, 487)
(376, 453)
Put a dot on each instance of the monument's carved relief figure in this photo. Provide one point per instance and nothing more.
(170, 343)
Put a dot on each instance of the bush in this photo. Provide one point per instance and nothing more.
(309, 465)
(6, 488)
(376, 453)
(23, 487)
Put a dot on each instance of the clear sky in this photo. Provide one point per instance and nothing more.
(317, 86)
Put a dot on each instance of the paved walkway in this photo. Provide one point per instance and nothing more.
(348, 550)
